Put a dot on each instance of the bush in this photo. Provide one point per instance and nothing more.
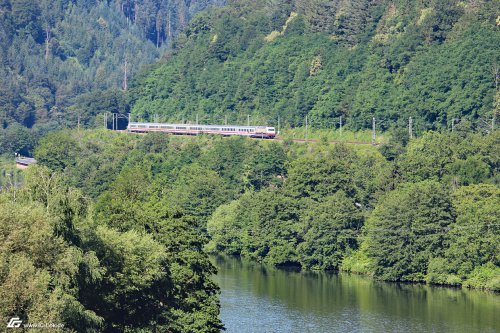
(358, 262)
(438, 273)
(484, 277)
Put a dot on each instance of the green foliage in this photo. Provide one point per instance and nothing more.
(326, 59)
(311, 221)
(130, 292)
(116, 242)
(459, 159)
(195, 305)
(477, 211)
(10, 176)
(472, 258)
(319, 177)
(224, 228)
(57, 151)
(485, 277)
(197, 192)
(136, 270)
(417, 231)
(65, 62)
(16, 139)
(438, 273)
(357, 262)
(407, 228)
(332, 229)
(40, 270)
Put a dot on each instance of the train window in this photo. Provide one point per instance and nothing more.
(214, 129)
(153, 126)
(180, 127)
(141, 126)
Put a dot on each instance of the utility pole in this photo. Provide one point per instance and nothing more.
(306, 129)
(410, 128)
(278, 125)
(78, 125)
(248, 120)
(453, 125)
(125, 75)
(340, 126)
(374, 135)
(225, 119)
(129, 118)
(196, 119)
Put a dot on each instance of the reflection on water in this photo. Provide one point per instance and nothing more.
(256, 298)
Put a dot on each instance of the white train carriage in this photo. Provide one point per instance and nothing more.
(226, 130)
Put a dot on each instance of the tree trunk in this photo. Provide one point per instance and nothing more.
(47, 42)
(125, 69)
(136, 11)
(158, 28)
(496, 75)
(169, 25)
(182, 13)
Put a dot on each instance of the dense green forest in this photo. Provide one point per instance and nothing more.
(110, 231)
(65, 61)
(119, 257)
(435, 61)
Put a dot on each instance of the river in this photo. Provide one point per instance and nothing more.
(256, 298)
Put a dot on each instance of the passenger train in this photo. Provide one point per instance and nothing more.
(226, 130)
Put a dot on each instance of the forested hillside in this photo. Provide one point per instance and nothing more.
(436, 61)
(111, 231)
(65, 59)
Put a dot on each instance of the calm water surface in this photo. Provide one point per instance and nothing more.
(256, 298)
